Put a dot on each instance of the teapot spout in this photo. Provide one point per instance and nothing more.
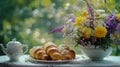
(3, 48)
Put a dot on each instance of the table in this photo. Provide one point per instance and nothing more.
(110, 61)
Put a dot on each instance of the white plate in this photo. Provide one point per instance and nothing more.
(50, 61)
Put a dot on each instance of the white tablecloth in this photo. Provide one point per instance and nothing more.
(110, 61)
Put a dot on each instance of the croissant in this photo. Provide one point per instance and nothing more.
(67, 53)
(33, 50)
(49, 45)
(52, 50)
(39, 53)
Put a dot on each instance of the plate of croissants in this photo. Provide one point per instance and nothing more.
(51, 53)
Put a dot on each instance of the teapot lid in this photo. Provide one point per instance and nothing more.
(14, 42)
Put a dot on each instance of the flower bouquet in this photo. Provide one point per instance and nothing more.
(91, 29)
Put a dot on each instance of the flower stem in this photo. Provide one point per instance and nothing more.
(105, 5)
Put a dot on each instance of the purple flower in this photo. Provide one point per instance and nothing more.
(58, 29)
(112, 23)
(112, 16)
(118, 27)
(90, 9)
(72, 17)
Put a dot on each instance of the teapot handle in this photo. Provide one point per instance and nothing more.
(26, 48)
(3, 48)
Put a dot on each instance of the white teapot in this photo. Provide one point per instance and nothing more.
(14, 49)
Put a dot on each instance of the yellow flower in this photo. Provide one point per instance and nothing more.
(86, 32)
(84, 13)
(118, 16)
(100, 31)
(78, 21)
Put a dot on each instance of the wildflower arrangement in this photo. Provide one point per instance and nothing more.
(91, 29)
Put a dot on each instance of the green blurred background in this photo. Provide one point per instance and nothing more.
(30, 21)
